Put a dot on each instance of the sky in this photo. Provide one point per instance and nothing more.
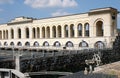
(9, 9)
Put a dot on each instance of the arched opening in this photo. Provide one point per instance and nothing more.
(66, 30)
(69, 44)
(99, 28)
(54, 31)
(5, 44)
(59, 31)
(71, 30)
(27, 44)
(43, 32)
(38, 32)
(27, 32)
(99, 44)
(79, 30)
(6, 34)
(87, 29)
(19, 33)
(83, 44)
(0, 34)
(12, 44)
(33, 33)
(57, 44)
(48, 32)
(19, 44)
(12, 34)
(45, 44)
(36, 44)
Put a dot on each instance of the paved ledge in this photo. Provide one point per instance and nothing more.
(111, 69)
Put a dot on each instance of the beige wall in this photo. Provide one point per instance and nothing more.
(92, 17)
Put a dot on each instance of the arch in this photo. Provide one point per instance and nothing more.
(33, 33)
(6, 34)
(19, 33)
(5, 44)
(66, 31)
(36, 44)
(12, 44)
(54, 31)
(27, 44)
(0, 34)
(59, 31)
(48, 32)
(69, 44)
(79, 27)
(87, 30)
(57, 44)
(27, 32)
(38, 32)
(43, 32)
(99, 28)
(12, 34)
(46, 44)
(99, 44)
(72, 30)
(19, 44)
(83, 44)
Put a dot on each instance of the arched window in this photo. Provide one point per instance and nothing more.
(0, 34)
(54, 31)
(36, 44)
(34, 33)
(38, 32)
(48, 32)
(59, 31)
(83, 44)
(57, 44)
(43, 32)
(46, 44)
(99, 44)
(6, 34)
(12, 43)
(19, 33)
(27, 32)
(71, 30)
(66, 30)
(99, 28)
(27, 44)
(19, 44)
(79, 29)
(69, 44)
(5, 44)
(12, 34)
(87, 29)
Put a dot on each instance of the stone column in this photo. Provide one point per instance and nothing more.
(75, 31)
(15, 33)
(30, 33)
(83, 31)
(57, 32)
(41, 32)
(23, 33)
(51, 32)
(69, 31)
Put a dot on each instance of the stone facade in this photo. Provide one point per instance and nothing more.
(94, 29)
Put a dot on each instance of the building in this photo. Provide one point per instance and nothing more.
(94, 29)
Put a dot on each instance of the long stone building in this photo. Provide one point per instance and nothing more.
(94, 29)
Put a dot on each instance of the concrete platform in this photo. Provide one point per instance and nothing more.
(111, 69)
